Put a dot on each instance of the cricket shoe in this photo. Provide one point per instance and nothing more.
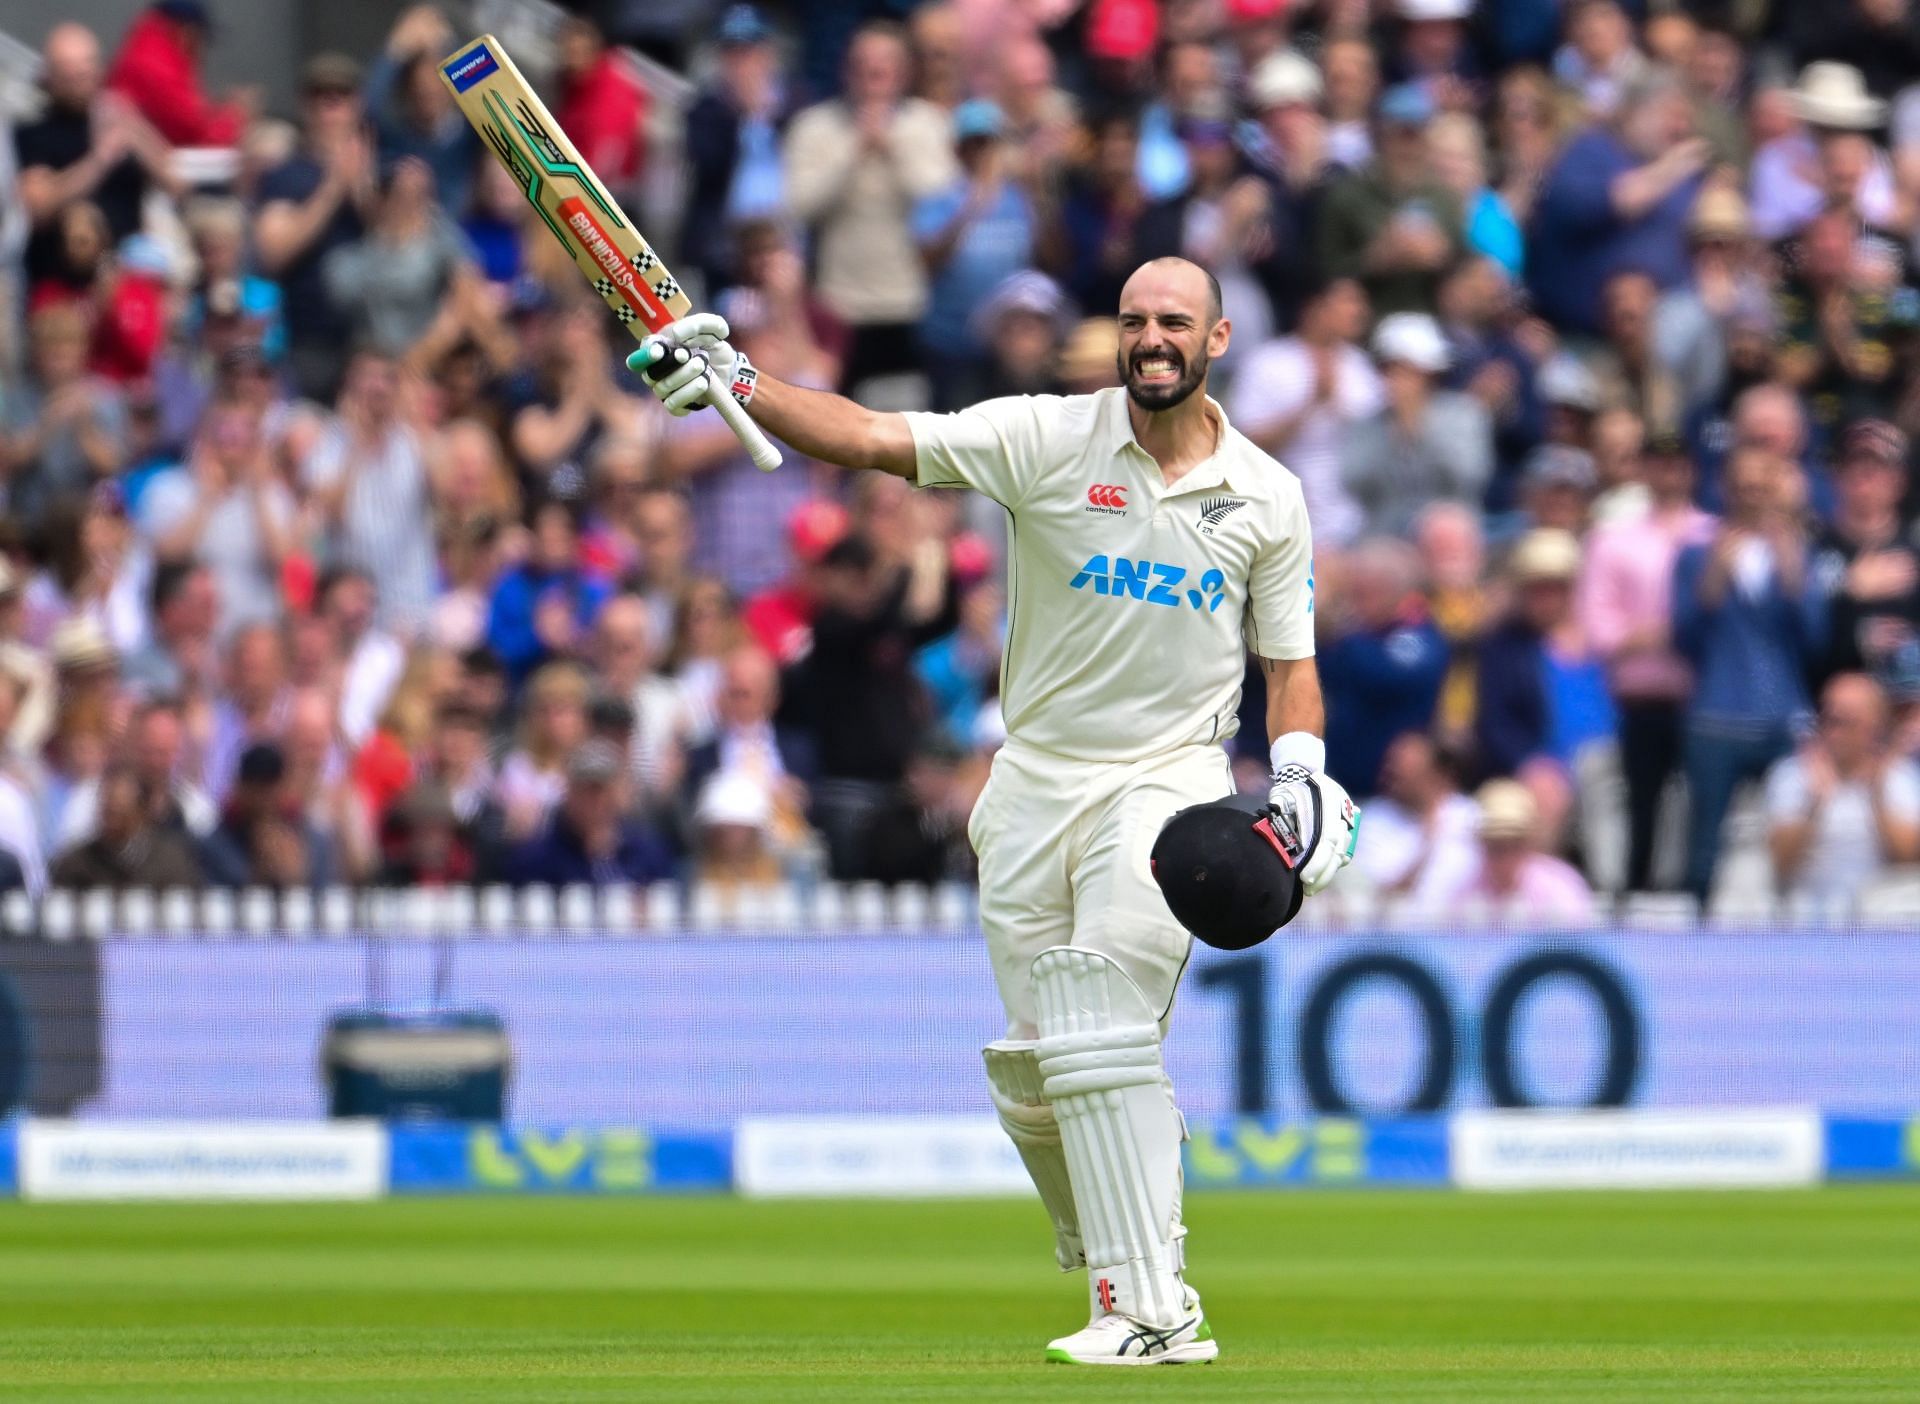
(1114, 1339)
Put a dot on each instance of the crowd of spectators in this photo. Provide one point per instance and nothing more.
(338, 545)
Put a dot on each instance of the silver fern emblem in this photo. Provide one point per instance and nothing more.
(1214, 510)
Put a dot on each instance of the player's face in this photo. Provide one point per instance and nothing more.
(1166, 340)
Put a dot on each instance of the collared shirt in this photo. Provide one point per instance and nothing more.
(1128, 599)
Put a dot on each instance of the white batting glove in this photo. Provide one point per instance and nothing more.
(689, 362)
(1315, 819)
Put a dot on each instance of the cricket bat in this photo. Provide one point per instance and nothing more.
(643, 293)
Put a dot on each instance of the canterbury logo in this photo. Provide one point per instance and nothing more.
(1107, 495)
(1215, 509)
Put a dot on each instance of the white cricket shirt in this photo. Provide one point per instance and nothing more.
(1130, 603)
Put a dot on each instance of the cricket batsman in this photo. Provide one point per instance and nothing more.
(1150, 545)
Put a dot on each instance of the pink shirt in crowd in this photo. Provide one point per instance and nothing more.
(1548, 891)
(1627, 585)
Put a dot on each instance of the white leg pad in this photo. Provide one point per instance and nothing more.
(1013, 1074)
(1100, 1068)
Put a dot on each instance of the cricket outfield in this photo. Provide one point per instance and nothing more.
(1318, 1295)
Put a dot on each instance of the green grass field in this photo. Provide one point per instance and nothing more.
(1377, 1296)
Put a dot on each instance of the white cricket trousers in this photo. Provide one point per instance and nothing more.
(1064, 850)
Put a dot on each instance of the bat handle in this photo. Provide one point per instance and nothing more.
(764, 455)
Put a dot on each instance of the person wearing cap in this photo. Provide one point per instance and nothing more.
(1391, 224)
(1518, 883)
(158, 71)
(1297, 397)
(1557, 485)
(85, 145)
(733, 133)
(1865, 559)
(589, 837)
(1749, 620)
(973, 235)
(1844, 809)
(1618, 197)
(1431, 48)
(733, 842)
(1020, 326)
(315, 201)
(1625, 607)
(1542, 694)
(263, 839)
(1288, 153)
(1424, 444)
(855, 165)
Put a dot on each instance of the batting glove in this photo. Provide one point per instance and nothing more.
(1316, 821)
(689, 362)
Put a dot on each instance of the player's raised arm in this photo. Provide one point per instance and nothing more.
(690, 361)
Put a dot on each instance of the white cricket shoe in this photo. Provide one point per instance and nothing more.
(1114, 1339)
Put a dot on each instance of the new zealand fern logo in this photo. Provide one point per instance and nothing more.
(1214, 510)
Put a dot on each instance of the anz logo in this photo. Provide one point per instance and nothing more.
(1152, 581)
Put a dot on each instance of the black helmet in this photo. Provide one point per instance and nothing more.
(1224, 872)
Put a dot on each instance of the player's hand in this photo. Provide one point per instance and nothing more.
(1314, 817)
(690, 362)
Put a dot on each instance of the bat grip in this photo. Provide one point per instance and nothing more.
(764, 455)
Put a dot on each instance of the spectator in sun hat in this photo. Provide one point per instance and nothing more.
(1830, 160)
(1392, 224)
(1523, 885)
(1424, 444)
(1542, 693)
(1691, 322)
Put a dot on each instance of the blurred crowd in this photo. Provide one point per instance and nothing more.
(340, 547)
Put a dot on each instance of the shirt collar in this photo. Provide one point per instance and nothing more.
(1223, 467)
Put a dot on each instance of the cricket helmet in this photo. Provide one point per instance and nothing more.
(1225, 872)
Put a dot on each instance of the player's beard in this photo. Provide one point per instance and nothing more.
(1163, 394)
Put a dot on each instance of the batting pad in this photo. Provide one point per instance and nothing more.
(1013, 1074)
(1099, 1056)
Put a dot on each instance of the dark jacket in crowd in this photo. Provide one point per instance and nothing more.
(558, 857)
(1378, 684)
(156, 858)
